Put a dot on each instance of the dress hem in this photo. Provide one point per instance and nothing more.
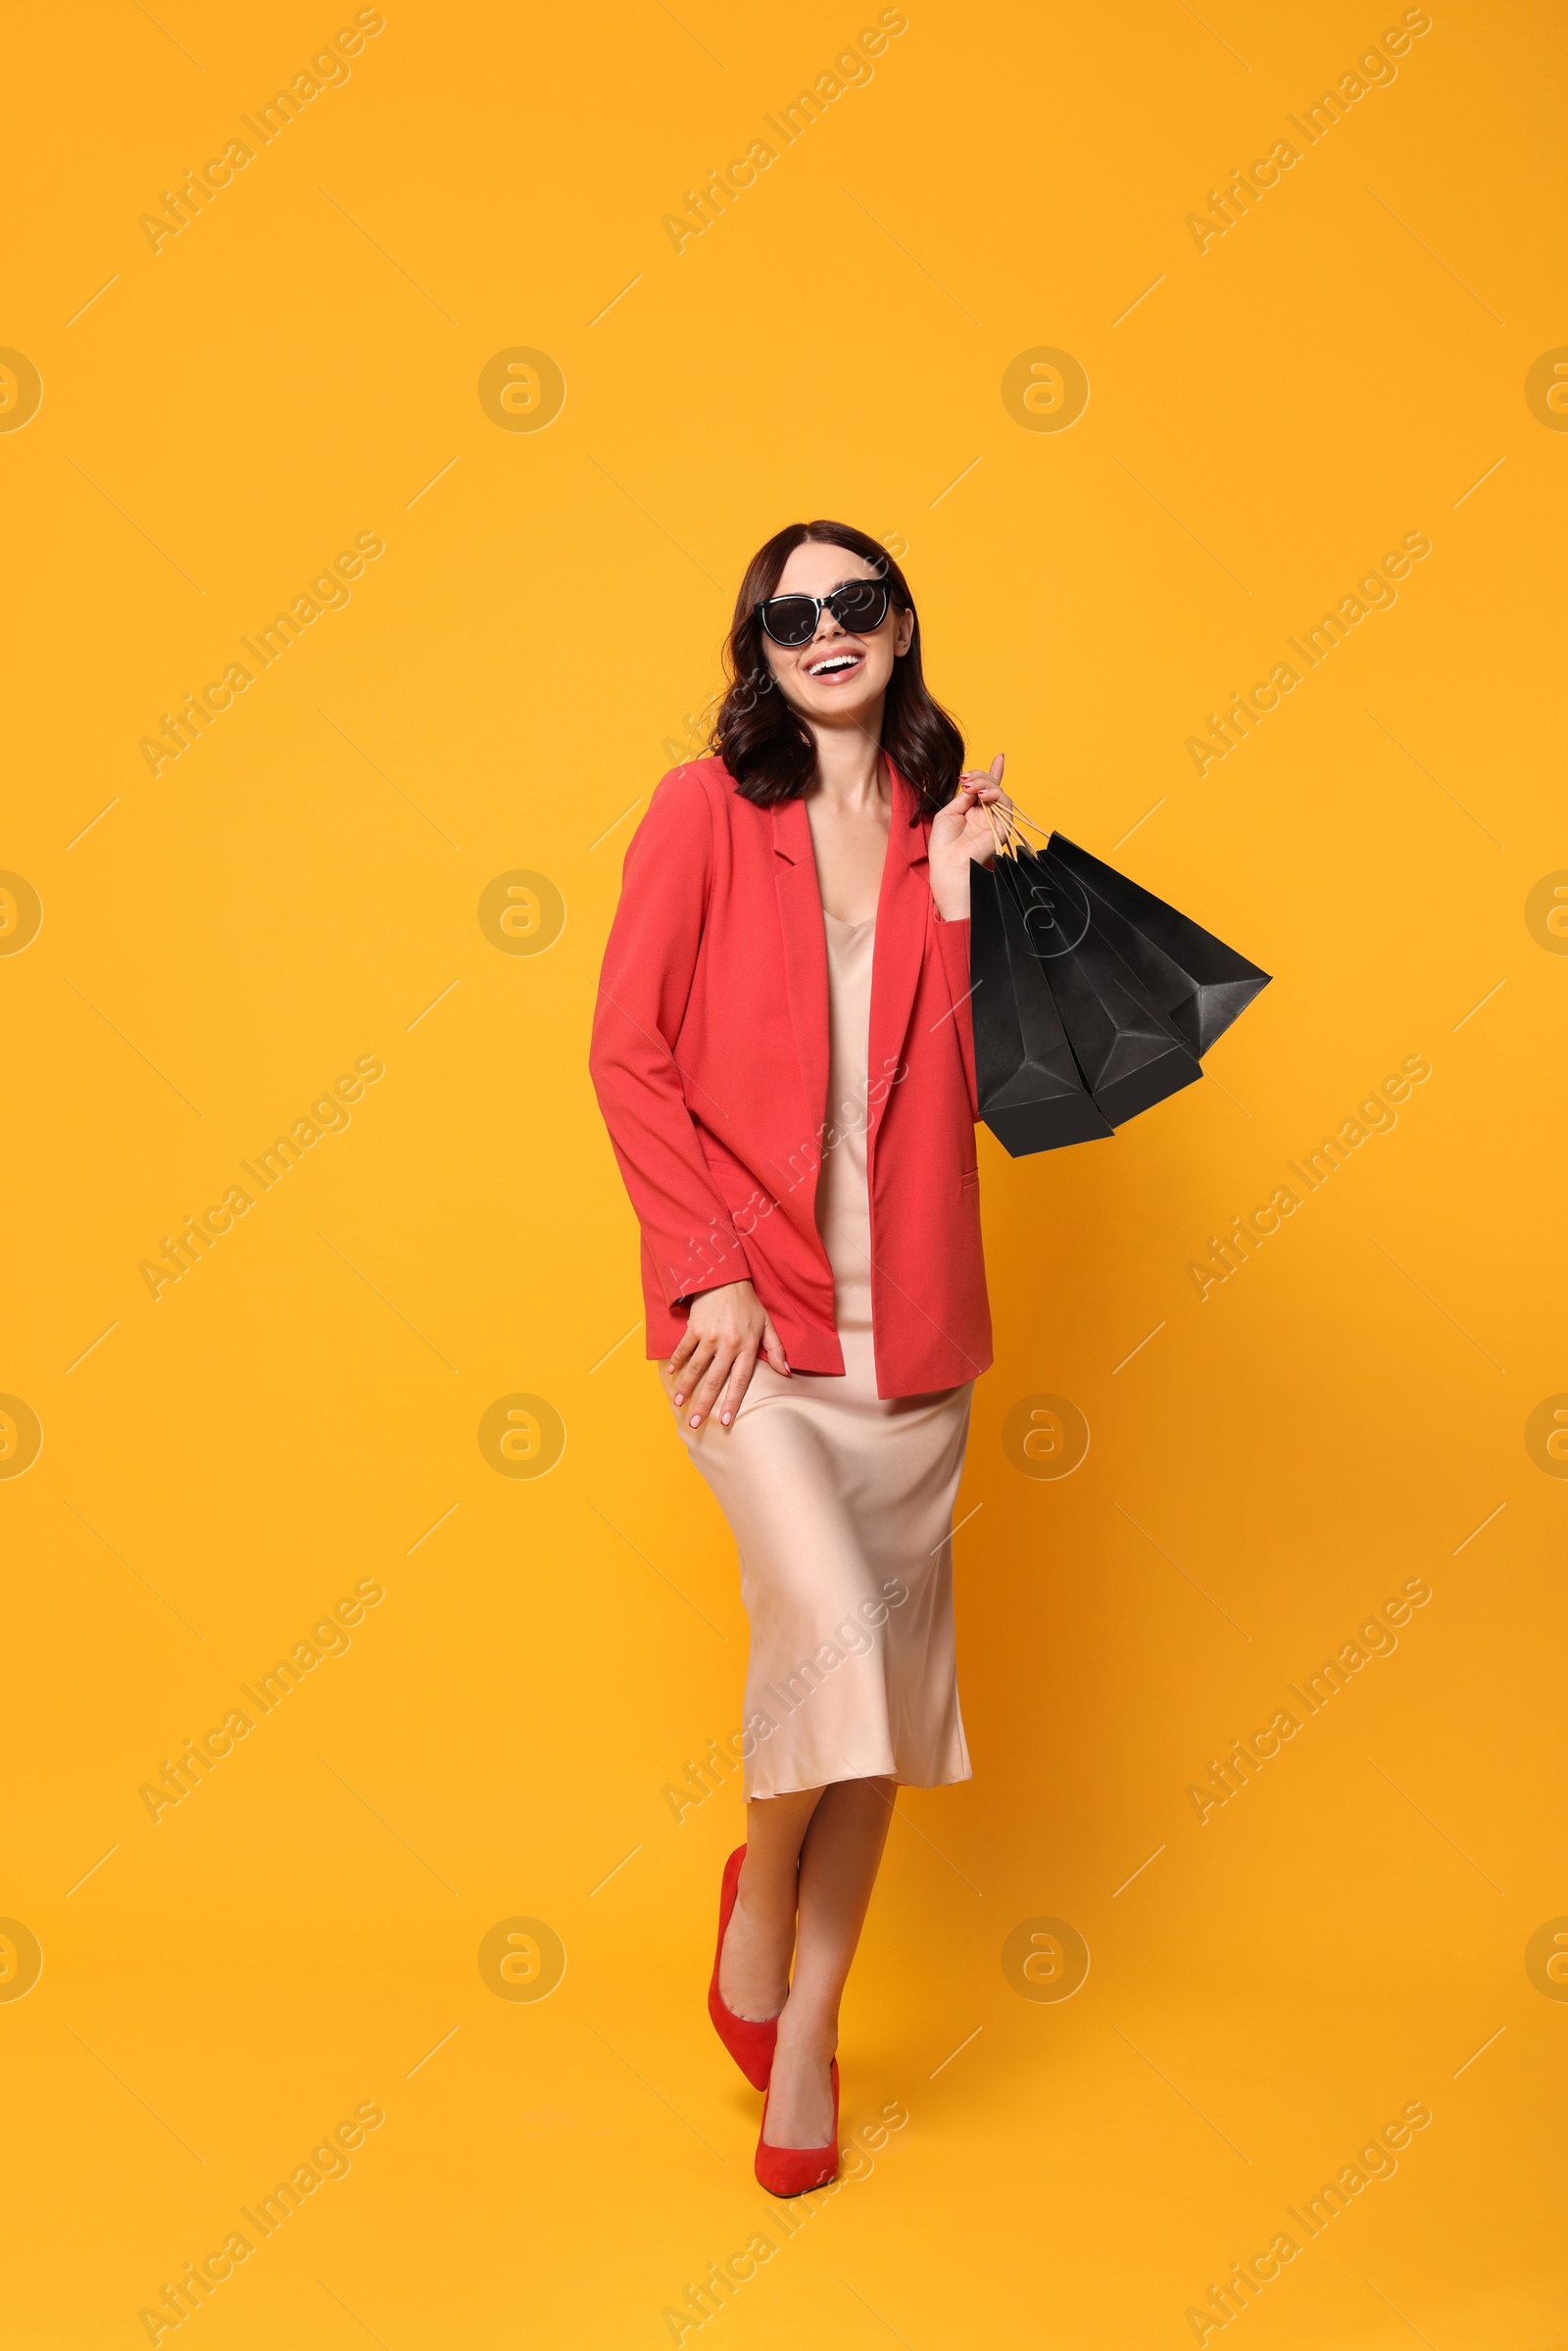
(756, 1796)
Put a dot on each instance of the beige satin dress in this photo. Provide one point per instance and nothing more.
(840, 1501)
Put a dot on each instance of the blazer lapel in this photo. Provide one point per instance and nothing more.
(799, 907)
(903, 923)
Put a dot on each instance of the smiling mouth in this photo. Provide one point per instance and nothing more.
(836, 665)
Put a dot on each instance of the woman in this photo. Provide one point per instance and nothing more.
(784, 1058)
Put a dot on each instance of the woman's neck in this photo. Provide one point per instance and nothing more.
(850, 772)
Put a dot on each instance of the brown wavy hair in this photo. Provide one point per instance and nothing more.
(762, 739)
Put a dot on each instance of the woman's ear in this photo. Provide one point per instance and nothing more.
(904, 633)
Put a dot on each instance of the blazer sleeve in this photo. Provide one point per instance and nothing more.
(953, 945)
(644, 987)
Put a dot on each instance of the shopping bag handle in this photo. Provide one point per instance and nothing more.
(1007, 828)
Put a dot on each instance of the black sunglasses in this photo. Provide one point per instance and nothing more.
(860, 605)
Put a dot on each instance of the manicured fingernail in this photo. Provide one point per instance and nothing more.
(724, 1418)
(695, 1420)
(680, 1399)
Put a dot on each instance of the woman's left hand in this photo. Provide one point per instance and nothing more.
(961, 837)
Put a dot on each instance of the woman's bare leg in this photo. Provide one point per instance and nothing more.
(839, 1860)
(754, 1971)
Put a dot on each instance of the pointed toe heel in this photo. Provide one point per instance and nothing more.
(793, 2171)
(749, 2041)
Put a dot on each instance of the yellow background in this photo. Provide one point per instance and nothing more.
(221, 1988)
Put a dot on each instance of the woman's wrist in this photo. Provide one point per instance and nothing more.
(950, 893)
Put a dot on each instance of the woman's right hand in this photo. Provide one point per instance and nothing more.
(726, 1330)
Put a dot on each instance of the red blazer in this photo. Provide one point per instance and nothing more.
(711, 1062)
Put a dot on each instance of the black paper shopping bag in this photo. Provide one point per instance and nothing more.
(1198, 983)
(1092, 998)
(1031, 1091)
(1130, 1056)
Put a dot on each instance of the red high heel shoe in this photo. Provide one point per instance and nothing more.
(749, 2041)
(791, 2171)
